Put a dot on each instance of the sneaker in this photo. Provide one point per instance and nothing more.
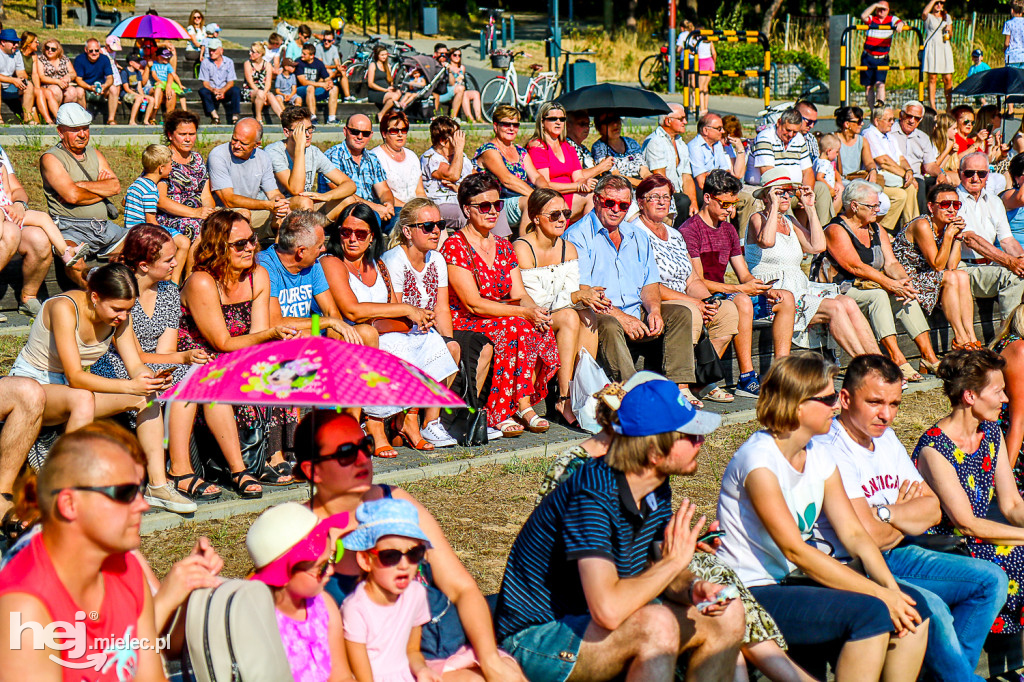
(332, 121)
(493, 433)
(167, 497)
(435, 434)
(31, 307)
(40, 449)
(749, 387)
(350, 98)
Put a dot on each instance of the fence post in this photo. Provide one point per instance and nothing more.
(512, 28)
(504, 43)
(836, 24)
(787, 31)
(970, 38)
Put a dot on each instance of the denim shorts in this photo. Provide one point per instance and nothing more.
(447, 95)
(21, 368)
(304, 90)
(513, 211)
(547, 652)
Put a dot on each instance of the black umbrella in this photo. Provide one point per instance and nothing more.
(1003, 81)
(620, 99)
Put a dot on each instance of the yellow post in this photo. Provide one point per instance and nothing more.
(767, 78)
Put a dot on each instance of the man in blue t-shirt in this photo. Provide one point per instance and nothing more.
(94, 74)
(298, 286)
(315, 83)
(589, 580)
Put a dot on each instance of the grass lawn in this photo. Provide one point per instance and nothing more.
(483, 509)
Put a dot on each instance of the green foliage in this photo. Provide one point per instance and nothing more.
(739, 56)
(729, 20)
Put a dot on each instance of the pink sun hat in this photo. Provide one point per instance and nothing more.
(285, 536)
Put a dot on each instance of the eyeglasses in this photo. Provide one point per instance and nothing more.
(348, 232)
(826, 400)
(397, 131)
(556, 216)
(123, 493)
(456, 54)
(870, 207)
(355, 132)
(50, 48)
(724, 204)
(309, 130)
(950, 204)
(555, 119)
(611, 204)
(658, 198)
(392, 557)
(982, 174)
(720, 129)
(328, 41)
(243, 244)
(811, 122)
(429, 226)
(508, 124)
(348, 453)
(490, 206)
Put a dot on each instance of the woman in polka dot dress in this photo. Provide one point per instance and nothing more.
(963, 458)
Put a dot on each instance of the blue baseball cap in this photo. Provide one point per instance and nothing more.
(660, 407)
(977, 53)
(9, 35)
(386, 516)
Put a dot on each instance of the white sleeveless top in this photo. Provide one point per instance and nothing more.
(378, 293)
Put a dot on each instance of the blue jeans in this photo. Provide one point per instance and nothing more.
(964, 596)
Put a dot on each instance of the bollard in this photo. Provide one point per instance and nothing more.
(512, 29)
(483, 43)
(504, 43)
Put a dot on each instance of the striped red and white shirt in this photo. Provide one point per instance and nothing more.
(879, 40)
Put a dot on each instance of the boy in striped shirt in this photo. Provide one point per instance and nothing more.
(877, 43)
(140, 201)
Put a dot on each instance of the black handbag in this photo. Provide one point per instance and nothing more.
(468, 426)
(208, 460)
(707, 365)
(950, 544)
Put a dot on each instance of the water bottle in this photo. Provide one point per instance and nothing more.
(96, 86)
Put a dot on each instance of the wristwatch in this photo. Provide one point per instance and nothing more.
(884, 514)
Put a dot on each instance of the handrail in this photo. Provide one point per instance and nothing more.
(844, 59)
(694, 39)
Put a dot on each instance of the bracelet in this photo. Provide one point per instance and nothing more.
(23, 203)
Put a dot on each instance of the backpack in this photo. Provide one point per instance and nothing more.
(231, 635)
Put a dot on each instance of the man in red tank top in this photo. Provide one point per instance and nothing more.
(74, 604)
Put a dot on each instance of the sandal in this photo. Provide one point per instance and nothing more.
(383, 451)
(559, 415)
(510, 428)
(271, 476)
(421, 444)
(242, 488)
(11, 527)
(685, 390)
(285, 468)
(908, 372)
(536, 423)
(719, 395)
(197, 490)
(928, 367)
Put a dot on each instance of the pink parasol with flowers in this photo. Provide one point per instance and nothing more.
(312, 372)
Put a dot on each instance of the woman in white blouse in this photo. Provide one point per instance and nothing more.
(401, 165)
(550, 269)
(678, 285)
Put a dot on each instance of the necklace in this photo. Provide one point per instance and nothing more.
(396, 155)
(360, 270)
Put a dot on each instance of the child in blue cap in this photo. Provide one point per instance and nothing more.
(383, 616)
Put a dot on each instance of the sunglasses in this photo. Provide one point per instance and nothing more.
(93, 51)
(555, 216)
(982, 174)
(50, 48)
(827, 400)
(967, 121)
(611, 204)
(456, 54)
(397, 131)
(321, 570)
(489, 206)
(555, 119)
(348, 453)
(347, 232)
(123, 493)
(242, 244)
(950, 204)
(358, 133)
(911, 116)
(811, 122)
(730, 204)
(870, 207)
(429, 226)
(508, 124)
(392, 557)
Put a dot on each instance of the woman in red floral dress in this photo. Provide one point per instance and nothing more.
(487, 295)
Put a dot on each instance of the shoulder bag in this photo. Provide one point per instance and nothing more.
(390, 325)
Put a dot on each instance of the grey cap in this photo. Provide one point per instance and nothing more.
(73, 115)
(214, 43)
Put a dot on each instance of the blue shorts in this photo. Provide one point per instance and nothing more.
(547, 652)
(447, 95)
(873, 75)
(304, 89)
(171, 231)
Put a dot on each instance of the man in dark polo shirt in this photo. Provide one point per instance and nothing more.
(589, 593)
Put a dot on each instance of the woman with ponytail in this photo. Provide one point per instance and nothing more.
(72, 331)
(551, 275)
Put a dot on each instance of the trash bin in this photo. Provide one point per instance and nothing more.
(581, 74)
(430, 21)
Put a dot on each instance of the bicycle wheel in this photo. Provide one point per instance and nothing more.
(543, 90)
(471, 83)
(496, 92)
(652, 74)
(357, 79)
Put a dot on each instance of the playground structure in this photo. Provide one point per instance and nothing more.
(846, 69)
(691, 69)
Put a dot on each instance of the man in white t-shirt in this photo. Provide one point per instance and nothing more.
(892, 501)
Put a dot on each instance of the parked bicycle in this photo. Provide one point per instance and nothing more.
(653, 71)
(491, 30)
(504, 89)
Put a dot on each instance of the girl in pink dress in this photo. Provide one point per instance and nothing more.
(289, 546)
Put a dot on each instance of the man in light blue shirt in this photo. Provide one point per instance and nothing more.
(617, 257)
(217, 75)
(707, 151)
